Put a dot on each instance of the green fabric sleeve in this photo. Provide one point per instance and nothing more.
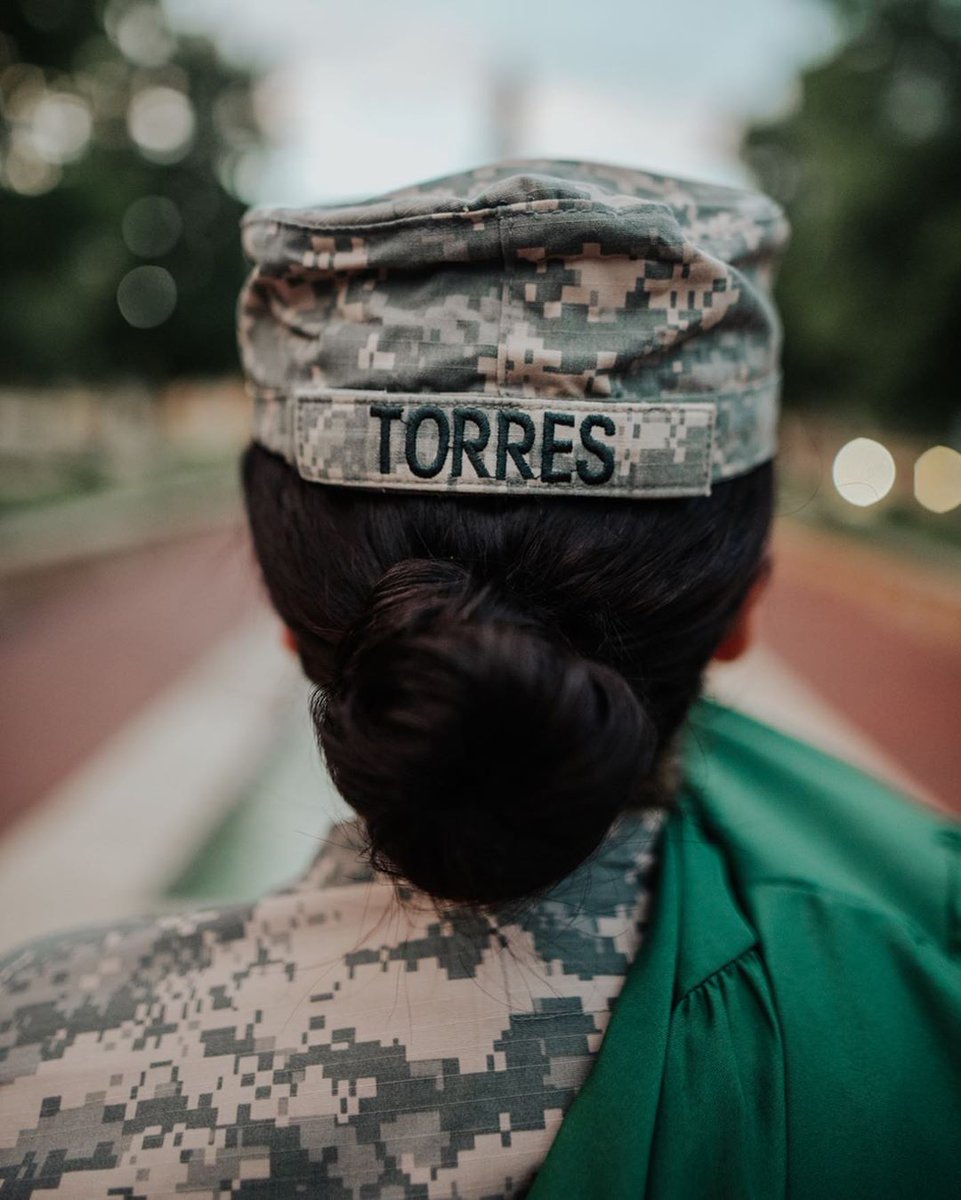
(720, 1129)
(870, 1015)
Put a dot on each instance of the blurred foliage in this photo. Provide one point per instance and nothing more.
(868, 166)
(103, 106)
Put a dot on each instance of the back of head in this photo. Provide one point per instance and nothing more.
(510, 486)
(497, 682)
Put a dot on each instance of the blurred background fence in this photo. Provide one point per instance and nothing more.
(151, 731)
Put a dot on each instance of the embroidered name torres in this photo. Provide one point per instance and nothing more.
(467, 434)
(463, 443)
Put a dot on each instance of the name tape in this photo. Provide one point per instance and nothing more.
(474, 443)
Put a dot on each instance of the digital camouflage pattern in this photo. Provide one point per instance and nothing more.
(572, 289)
(331, 1040)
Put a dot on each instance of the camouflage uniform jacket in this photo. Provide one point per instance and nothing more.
(334, 1039)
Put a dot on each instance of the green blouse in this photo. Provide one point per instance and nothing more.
(792, 1024)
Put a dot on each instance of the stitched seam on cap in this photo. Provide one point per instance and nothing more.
(497, 211)
(315, 391)
(374, 482)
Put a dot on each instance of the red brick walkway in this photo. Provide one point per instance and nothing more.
(880, 640)
(85, 649)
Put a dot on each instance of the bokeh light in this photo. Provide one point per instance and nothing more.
(937, 479)
(863, 472)
(22, 85)
(25, 172)
(917, 104)
(151, 226)
(161, 121)
(241, 173)
(147, 296)
(60, 127)
(142, 34)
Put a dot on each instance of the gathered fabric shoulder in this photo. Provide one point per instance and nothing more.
(792, 1025)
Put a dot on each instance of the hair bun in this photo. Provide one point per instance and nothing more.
(486, 760)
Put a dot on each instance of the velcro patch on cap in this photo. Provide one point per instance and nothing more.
(469, 442)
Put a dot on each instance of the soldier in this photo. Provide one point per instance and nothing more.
(510, 490)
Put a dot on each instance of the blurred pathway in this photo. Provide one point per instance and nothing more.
(879, 640)
(106, 842)
(84, 648)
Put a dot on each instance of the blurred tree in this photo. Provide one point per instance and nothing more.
(869, 169)
(120, 147)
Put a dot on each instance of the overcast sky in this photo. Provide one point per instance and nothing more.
(366, 95)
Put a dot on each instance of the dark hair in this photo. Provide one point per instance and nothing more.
(499, 677)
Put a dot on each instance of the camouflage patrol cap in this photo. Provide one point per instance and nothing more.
(545, 327)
